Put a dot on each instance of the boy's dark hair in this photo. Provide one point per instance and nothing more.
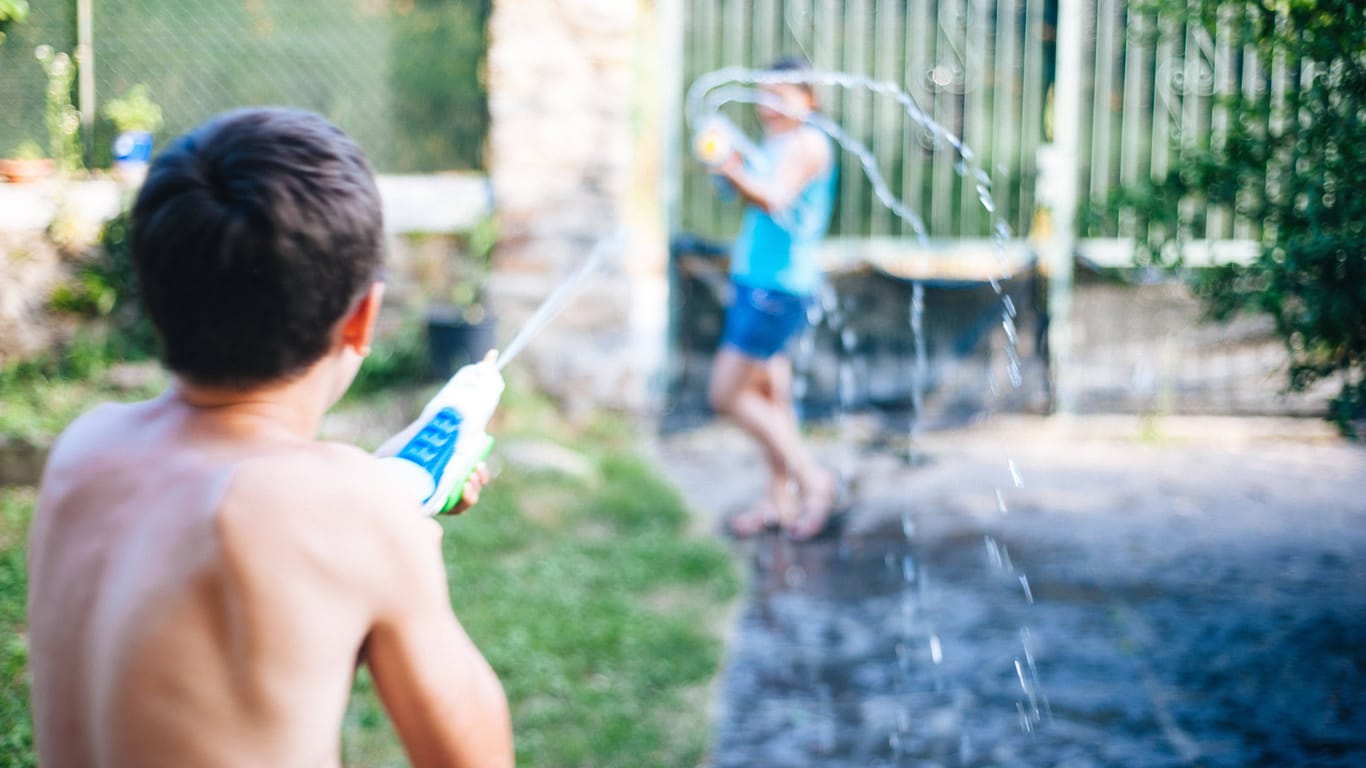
(252, 237)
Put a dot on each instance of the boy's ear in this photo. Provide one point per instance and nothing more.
(358, 329)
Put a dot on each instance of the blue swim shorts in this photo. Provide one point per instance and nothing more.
(760, 321)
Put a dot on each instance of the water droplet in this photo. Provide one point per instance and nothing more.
(1013, 369)
(848, 338)
(1024, 584)
(1001, 502)
(984, 197)
(936, 651)
(993, 552)
(908, 569)
(907, 525)
(1015, 475)
(1008, 323)
(1010, 305)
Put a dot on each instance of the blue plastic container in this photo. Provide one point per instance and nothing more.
(133, 147)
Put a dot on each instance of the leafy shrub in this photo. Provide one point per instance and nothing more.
(11, 12)
(438, 90)
(1299, 169)
(105, 286)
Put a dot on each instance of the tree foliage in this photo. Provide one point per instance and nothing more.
(1295, 164)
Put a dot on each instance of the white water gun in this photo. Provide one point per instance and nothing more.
(436, 462)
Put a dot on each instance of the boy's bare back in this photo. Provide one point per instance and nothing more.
(212, 612)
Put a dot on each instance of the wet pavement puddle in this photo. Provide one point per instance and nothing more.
(1162, 646)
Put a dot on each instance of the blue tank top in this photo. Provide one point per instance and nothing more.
(778, 251)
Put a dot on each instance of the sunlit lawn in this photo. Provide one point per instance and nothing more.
(598, 607)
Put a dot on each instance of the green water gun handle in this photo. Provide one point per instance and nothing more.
(462, 467)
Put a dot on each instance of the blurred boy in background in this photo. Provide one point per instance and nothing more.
(788, 191)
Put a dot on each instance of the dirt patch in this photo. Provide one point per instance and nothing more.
(1151, 592)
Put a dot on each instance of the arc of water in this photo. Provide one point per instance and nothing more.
(854, 146)
(696, 96)
(713, 89)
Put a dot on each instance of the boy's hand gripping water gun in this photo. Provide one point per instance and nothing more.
(450, 439)
(718, 140)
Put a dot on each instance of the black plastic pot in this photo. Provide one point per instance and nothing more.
(453, 340)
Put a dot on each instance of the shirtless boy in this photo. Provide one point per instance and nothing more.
(205, 575)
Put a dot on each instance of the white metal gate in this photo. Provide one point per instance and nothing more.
(1145, 88)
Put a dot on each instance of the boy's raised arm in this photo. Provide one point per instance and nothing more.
(444, 699)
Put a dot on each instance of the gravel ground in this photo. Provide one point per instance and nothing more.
(1178, 591)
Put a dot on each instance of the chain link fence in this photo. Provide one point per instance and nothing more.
(403, 77)
(22, 83)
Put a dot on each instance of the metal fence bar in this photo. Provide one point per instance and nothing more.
(943, 78)
(917, 35)
(976, 120)
(1102, 117)
(1164, 60)
(1032, 118)
(1252, 89)
(1004, 122)
(1191, 128)
(887, 115)
(853, 115)
(766, 42)
(1134, 148)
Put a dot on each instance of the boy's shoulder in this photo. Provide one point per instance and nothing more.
(99, 431)
(320, 508)
(338, 482)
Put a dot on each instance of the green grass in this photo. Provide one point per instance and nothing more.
(599, 610)
(16, 729)
(41, 396)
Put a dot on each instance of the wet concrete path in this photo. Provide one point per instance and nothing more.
(1186, 593)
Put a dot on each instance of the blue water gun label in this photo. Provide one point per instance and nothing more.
(433, 447)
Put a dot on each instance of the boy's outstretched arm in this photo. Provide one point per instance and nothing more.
(444, 699)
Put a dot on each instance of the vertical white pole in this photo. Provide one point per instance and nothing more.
(669, 24)
(85, 72)
(1066, 140)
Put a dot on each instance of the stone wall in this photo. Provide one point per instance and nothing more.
(570, 105)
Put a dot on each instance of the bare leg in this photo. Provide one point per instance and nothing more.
(748, 397)
(773, 380)
(818, 490)
(735, 376)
